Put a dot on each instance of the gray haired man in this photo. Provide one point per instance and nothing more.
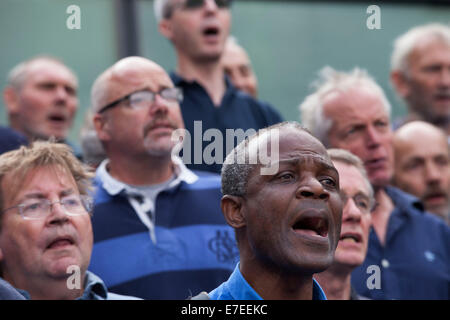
(348, 110)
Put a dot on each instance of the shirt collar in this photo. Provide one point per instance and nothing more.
(114, 186)
(179, 81)
(404, 201)
(241, 290)
(94, 288)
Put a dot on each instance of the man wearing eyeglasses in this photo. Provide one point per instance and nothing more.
(198, 30)
(158, 227)
(45, 226)
(358, 201)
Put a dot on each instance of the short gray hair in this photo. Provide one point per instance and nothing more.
(235, 174)
(406, 43)
(331, 80)
(162, 9)
(348, 158)
(18, 74)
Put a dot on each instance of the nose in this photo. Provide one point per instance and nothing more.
(373, 137)
(210, 5)
(351, 212)
(432, 173)
(57, 214)
(61, 93)
(445, 78)
(312, 189)
(159, 105)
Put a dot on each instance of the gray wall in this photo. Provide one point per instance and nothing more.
(288, 42)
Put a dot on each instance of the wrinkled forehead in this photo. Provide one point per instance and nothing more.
(36, 180)
(125, 78)
(45, 69)
(288, 145)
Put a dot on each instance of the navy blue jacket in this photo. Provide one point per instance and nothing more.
(10, 140)
(414, 263)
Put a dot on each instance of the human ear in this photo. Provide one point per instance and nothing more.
(232, 211)
(165, 28)
(10, 97)
(400, 83)
(101, 126)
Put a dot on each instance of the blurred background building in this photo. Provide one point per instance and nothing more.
(287, 41)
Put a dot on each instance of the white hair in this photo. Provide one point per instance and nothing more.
(161, 9)
(330, 80)
(18, 74)
(406, 43)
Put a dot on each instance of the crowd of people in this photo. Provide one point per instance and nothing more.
(344, 204)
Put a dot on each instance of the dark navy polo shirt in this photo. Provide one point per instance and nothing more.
(10, 140)
(414, 263)
(237, 110)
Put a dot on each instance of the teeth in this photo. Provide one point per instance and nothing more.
(349, 240)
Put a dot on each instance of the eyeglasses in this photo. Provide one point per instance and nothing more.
(35, 209)
(143, 98)
(362, 202)
(194, 4)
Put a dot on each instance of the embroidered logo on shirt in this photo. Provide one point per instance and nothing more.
(224, 247)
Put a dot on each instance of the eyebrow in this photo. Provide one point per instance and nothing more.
(322, 162)
(39, 195)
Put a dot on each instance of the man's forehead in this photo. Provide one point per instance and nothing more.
(305, 156)
(17, 185)
(50, 70)
(288, 145)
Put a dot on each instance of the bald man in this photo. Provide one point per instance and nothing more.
(422, 165)
(237, 66)
(41, 98)
(159, 230)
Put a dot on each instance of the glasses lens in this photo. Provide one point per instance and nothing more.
(172, 94)
(223, 3)
(74, 204)
(193, 4)
(141, 99)
(34, 209)
(362, 202)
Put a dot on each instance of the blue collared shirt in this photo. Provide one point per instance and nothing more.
(414, 262)
(95, 289)
(237, 288)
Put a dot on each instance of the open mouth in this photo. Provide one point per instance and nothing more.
(60, 242)
(57, 118)
(211, 31)
(436, 197)
(313, 226)
(350, 237)
(442, 97)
